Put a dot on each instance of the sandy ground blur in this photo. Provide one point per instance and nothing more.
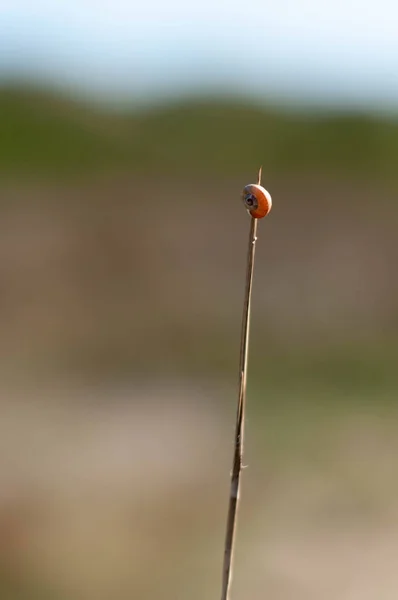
(116, 493)
(120, 493)
(91, 279)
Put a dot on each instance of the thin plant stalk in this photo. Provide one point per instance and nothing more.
(240, 417)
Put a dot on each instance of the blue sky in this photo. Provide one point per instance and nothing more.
(337, 52)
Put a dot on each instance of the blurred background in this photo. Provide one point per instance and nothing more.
(127, 132)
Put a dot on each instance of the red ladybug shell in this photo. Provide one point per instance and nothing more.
(257, 200)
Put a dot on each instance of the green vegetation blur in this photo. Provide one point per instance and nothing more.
(44, 133)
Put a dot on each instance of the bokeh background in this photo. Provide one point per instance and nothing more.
(127, 132)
